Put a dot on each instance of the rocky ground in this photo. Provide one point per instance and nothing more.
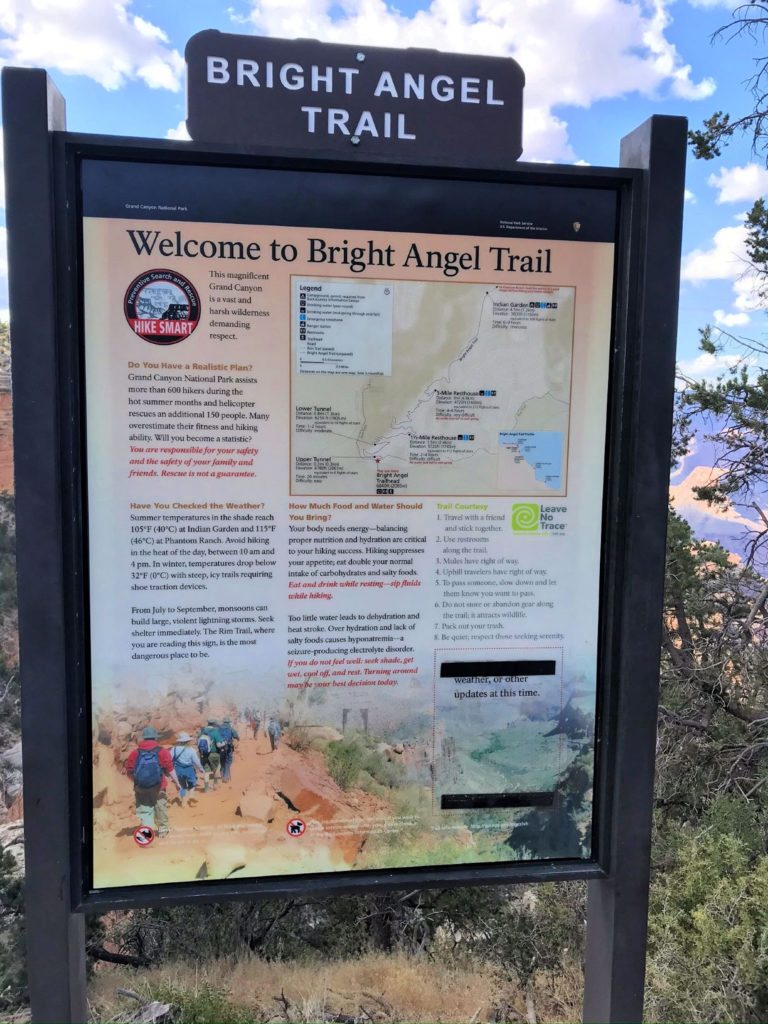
(239, 828)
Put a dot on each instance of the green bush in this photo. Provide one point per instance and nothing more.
(13, 975)
(708, 952)
(204, 1005)
(385, 772)
(345, 760)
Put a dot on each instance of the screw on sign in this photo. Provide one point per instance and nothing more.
(295, 827)
(144, 835)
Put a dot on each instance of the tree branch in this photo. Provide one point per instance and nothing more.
(100, 953)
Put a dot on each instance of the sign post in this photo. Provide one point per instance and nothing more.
(617, 906)
(352, 449)
(32, 110)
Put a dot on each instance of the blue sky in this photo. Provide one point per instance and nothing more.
(594, 70)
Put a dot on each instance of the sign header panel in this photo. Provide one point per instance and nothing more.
(345, 490)
(415, 106)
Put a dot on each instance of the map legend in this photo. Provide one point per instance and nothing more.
(342, 326)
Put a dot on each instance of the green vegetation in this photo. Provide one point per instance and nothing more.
(345, 759)
(495, 744)
(204, 1004)
(13, 977)
(708, 955)
(355, 761)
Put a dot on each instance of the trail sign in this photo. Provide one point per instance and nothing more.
(336, 412)
(414, 106)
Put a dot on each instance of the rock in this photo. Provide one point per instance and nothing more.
(15, 811)
(11, 780)
(12, 756)
(311, 794)
(324, 733)
(223, 859)
(256, 806)
(12, 841)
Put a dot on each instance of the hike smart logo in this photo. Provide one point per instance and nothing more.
(162, 307)
(525, 517)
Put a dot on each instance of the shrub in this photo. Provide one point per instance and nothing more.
(345, 759)
(709, 933)
(383, 771)
(299, 738)
(204, 1005)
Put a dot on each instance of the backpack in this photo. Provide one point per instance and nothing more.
(204, 744)
(148, 772)
(225, 744)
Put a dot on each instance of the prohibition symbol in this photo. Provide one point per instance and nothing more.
(144, 835)
(295, 827)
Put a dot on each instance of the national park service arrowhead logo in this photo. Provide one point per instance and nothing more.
(162, 307)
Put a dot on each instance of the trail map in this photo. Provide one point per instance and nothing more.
(429, 388)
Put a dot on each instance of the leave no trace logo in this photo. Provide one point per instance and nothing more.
(525, 517)
(161, 306)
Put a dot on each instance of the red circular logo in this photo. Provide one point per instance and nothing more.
(143, 835)
(162, 307)
(295, 828)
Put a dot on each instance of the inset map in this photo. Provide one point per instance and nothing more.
(542, 450)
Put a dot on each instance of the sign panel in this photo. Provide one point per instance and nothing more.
(345, 453)
(418, 106)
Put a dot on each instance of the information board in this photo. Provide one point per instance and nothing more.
(345, 460)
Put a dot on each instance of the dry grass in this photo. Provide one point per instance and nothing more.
(377, 987)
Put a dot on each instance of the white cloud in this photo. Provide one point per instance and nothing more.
(723, 319)
(179, 133)
(725, 258)
(747, 289)
(690, 197)
(573, 54)
(710, 366)
(739, 184)
(97, 38)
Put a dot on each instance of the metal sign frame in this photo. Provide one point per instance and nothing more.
(69, 151)
(41, 168)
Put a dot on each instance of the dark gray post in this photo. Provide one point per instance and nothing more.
(32, 109)
(617, 908)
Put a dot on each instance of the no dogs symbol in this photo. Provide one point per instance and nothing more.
(295, 827)
(144, 835)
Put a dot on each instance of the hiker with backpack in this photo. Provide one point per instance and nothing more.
(186, 761)
(274, 732)
(228, 735)
(150, 766)
(208, 747)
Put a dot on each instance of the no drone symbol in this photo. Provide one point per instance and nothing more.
(295, 827)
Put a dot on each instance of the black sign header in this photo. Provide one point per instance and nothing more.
(414, 106)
